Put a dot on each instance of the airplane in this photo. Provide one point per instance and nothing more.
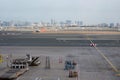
(92, 44)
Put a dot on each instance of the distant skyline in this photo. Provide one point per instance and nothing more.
(88, 11)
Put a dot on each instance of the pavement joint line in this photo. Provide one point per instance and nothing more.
(102, 54)
(78, 70)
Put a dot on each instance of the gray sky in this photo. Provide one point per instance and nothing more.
(88, 11)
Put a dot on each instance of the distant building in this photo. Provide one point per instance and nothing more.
(53, 22)
(19, 23)
(117, 24)
(48, 24)
(27, 23)
(103, 25)
(5, 23)
(79, 23)
(62, 24)
(68, 22)
(111, 25)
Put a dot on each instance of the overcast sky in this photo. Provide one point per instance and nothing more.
(88, 11)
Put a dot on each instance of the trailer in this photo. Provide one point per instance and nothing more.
(17, 68)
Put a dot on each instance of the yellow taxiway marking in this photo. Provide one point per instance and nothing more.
(102, 54)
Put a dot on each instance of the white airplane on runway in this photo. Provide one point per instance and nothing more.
(93, 44)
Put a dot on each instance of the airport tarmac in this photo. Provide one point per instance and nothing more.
(92, 66)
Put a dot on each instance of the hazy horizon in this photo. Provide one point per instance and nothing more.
(88, 11)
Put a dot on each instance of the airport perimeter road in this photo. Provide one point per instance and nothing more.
(92, 66)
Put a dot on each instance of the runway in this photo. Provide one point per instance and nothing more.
(69, 40)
